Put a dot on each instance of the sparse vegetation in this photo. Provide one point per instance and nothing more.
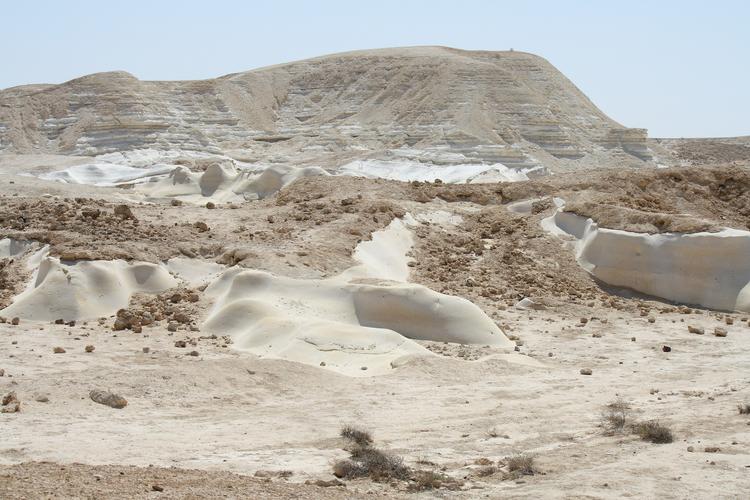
(429, 480)
(521, 465)
(367, 461)
(357, 436)
(744, 408)
(654, 432)
(616, 415)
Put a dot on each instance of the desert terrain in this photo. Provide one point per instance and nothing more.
(399, 273)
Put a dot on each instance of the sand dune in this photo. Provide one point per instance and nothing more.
(706, 269)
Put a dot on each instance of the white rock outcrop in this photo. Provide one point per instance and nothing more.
(706, 269)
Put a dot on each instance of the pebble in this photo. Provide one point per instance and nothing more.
(586, 371)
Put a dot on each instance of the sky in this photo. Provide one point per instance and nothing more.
(678, 68)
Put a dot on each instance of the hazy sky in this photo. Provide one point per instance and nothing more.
(678, 68)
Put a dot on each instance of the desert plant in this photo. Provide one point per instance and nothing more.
(429, 480)
(522, 465)
(616, 415)
(744, 409)
(654, 432)
(357, 436)
(367, 461)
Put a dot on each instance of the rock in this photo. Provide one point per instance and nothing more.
(586, 371)
(146, 350)
(156, 487)
(696, 329)
(2, 372)
(666, 348)
(14, 407)
(584, 321)
(193, 353)
(180, 343)
(651, 319)
(108, 399)
(527, 303)
(328, 484)
(124, 212)
(210, 205)
(729, 320)
(181, 317)
(15, 321)
(41, 398)
(690, 449)
(712, 449)
(175, 203)
(172, 327)
(89, 348)
(58, 350)
(201, 226)
(720, 332)
(10, 398)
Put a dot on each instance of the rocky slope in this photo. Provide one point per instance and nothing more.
(433, 103)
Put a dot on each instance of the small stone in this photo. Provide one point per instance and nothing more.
(322, 363)
(180, 343)
(108, 399)
(690, 449)
(666, 348)
(172, 327)
(720, 332)
(146, 350)
(584, 321)
(210, 205)
(176, 203)
(124, 212)
(89, 348)
(14, 407)
(363, 368)
(157, 487)
(193, 353)
(58, 350)
(9, 398)
(696, 329)
(586, 371)
(2, 372)
(729, 320)
(15, 321)
(41, 398)
(712, 449)
(651, 319)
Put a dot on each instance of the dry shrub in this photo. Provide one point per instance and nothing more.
(357, 436)
(424, 480)
(654, 432)
(616, 415)
(367, 461)
(521, 465)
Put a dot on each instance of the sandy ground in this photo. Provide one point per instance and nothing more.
(206, 424)
(226, 411)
